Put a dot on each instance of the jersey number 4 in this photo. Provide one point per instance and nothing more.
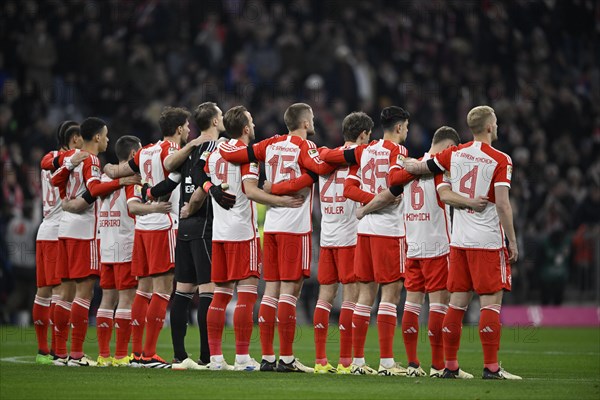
(468, 182)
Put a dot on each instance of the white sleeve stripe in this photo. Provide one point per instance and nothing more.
(502, 184)
(442, 184)
(395, 166)
(93, 178)
(134, 199)
(438, 164)
(250, 176)
(353, 177)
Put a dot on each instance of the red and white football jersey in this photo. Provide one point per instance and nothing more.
(51, 206)
(240, 222)
(116, 226)
(286, 157)
(339, 224)
(476, 168)
(377, 160)
(81, 225)
(150, 159)
(426, 217)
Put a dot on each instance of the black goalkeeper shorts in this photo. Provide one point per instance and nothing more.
(193, 261)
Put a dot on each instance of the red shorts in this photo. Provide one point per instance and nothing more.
(426, 274)
(336, 264)
(485, 271)
(287, 256)
(77, 258)
(380, 259)
(117, 276)
(153, 252)
(234, 261)
(46, 252)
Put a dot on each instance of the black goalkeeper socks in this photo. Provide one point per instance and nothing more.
(205, 300)
(179, 320)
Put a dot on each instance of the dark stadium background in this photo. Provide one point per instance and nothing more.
(535, 62)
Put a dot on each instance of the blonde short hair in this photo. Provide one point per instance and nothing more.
(478, 118)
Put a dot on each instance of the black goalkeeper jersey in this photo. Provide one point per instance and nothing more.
(198, 225)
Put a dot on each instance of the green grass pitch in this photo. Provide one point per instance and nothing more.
(554, 363)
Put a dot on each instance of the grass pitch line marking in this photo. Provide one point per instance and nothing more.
(18, 359)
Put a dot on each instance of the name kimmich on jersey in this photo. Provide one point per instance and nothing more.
(426, 218)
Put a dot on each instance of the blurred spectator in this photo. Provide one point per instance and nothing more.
(21, 234)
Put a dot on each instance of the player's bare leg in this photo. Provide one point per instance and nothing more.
(327, 294)
(267, 318)
(104, 325)
(387, 318)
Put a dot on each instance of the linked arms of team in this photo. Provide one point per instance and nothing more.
(313, 162)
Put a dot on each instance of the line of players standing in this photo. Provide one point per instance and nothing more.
(194, 220)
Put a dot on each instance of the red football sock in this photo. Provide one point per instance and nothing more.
(410, 330)
(104, 328)
(243, 318)
(62, 314)
(123, 330)
(286, 314)
(321, 324)
(451, 332)
(139, 308)
(55, 299)
(267, 318)
(387, 320)
(345, 327)
(360, 327)
(215, 319)
(155, 319)
(490, 331)
(437, 312)
(79, 323)
(41, 321)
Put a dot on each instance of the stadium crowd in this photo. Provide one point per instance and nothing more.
(124, 61)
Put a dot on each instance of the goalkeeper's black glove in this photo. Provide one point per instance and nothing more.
(224, 199)
(146, 195)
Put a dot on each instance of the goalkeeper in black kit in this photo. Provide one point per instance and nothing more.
(194, 238)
